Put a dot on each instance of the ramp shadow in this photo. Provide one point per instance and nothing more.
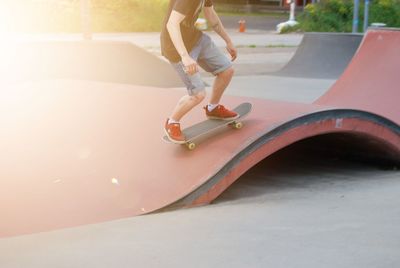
(312, 165)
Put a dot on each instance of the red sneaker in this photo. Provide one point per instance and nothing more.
(221, 113)
(174, 132)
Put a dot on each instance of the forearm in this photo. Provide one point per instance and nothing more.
(220, 30)
(176, 38)
(217, 25)
(174, 30)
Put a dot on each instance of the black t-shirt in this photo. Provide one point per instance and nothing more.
(190, 35)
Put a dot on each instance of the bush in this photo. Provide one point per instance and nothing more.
(327, 16)
(386, 11)
(337, 15)
(290, 29)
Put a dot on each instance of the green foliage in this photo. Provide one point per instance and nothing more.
(290, 29)
(128, 15)
(337, 15)
(106, 15)
(386, 11)
(327, 16)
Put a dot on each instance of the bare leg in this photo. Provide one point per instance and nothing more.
(185, 104)
(221, 82)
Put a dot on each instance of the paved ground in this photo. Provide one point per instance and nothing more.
(254, 22)
(295, 209)
(277, 88)
(261, 60)
(292, 210)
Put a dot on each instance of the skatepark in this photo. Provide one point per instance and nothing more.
(310, 181)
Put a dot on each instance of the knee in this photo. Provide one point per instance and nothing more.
(199, 96)
(227, 73)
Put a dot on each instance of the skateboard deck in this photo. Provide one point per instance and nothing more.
(209, 125)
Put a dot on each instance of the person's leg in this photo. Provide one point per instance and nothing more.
(214, 61)
(196, 94)
(221, 82)
(195, 88)
(185, 104)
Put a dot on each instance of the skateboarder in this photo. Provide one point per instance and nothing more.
(187, 48)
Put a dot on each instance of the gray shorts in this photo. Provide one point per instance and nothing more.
(209, 57)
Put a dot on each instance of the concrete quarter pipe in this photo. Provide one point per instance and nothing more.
(80, 152)
(322, 55)
(106, 61)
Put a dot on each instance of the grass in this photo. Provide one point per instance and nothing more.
(279, 46)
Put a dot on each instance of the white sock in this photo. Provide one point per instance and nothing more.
(172, 121)
(211, 107)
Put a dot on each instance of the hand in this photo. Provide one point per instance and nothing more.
(190, 65)
(232, 51)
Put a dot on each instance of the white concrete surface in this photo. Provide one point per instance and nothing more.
(152, 39)
(277, 88)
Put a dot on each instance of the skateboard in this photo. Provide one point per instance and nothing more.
(200, 129)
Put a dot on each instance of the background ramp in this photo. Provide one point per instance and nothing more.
(106, 61)
(321, 55)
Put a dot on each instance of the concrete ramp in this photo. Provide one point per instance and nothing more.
(116, 62)
(81, 152)
(322, 55)
(371, 82)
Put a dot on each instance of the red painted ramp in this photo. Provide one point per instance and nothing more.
(372, 80)
(78, 152)
(63, 142)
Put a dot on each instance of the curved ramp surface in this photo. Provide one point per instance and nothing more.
(76, 152)
(117, 62)
(372, 81)
(322, 55)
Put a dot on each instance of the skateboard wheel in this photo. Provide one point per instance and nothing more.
(238, 125)
(191, 145)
